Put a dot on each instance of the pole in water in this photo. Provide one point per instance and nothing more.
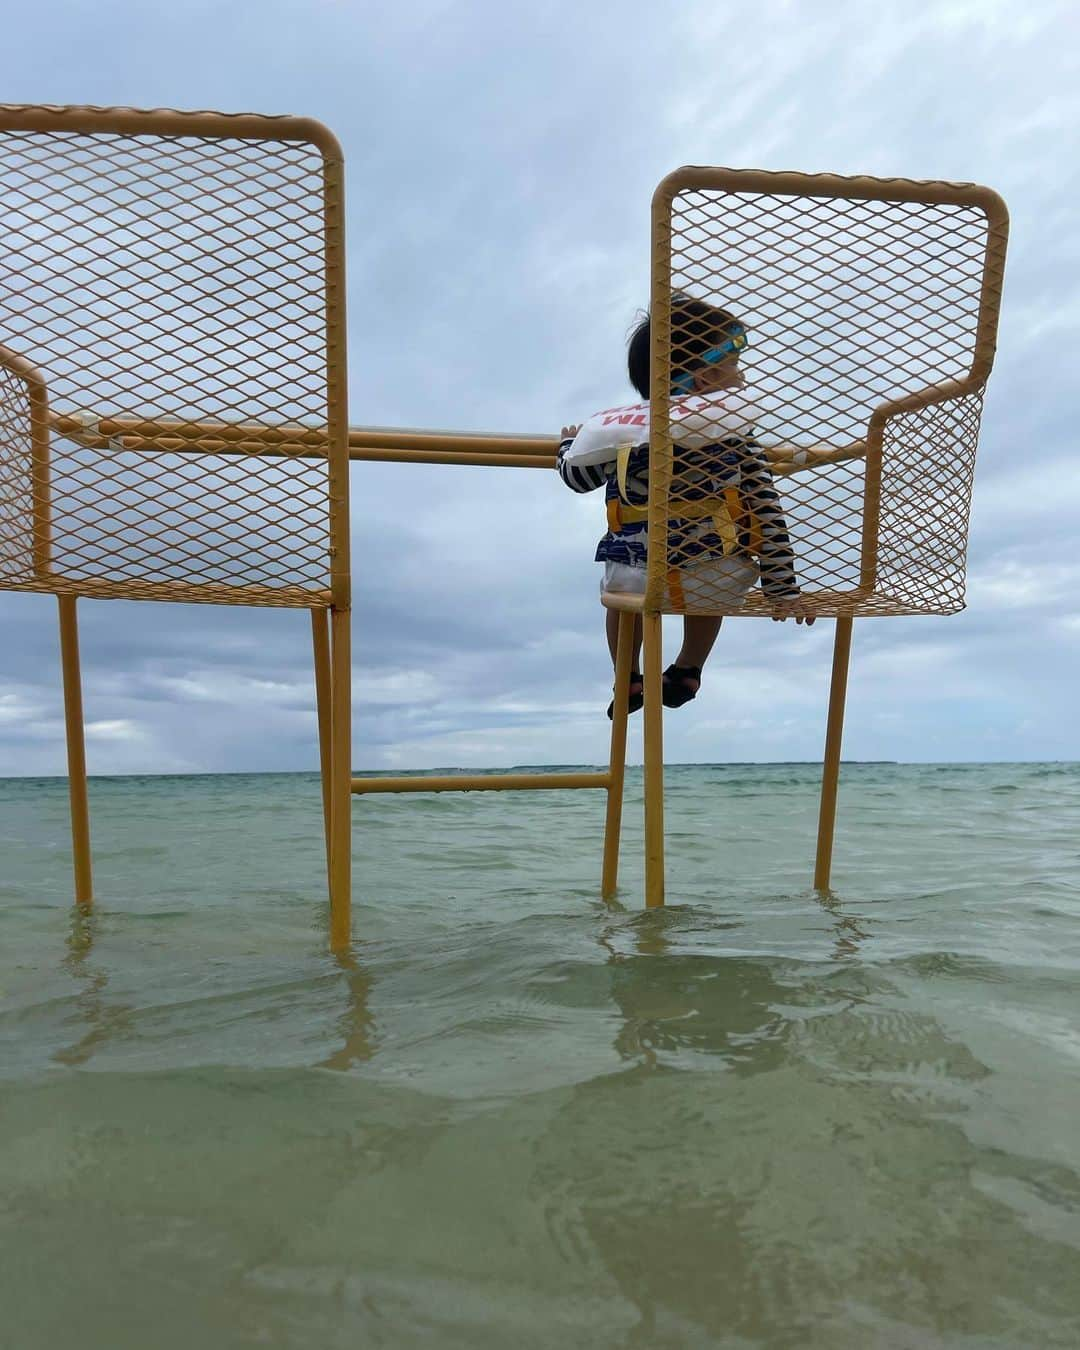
(76, 749)
(834, 733)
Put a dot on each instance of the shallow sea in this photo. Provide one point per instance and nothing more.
(515, 1116)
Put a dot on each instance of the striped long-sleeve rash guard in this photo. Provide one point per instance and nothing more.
(704, 468)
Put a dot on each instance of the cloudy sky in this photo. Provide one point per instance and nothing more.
(500, 162)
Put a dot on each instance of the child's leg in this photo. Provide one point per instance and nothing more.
(636, 690)
(625, 578)
(613, 638)
(699, 634)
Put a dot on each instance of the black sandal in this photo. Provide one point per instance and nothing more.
(675, 692)
(636, 701)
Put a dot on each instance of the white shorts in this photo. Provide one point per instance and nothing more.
(715, 583)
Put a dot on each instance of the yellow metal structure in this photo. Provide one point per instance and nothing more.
(174, 423)
(76, 749)
(624, 651)
(179, 276)
(872, 309)
(481, 782)
(652, 642)
(834, 731)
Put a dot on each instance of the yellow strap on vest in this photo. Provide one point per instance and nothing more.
(732, 517)
(725, 518)
(729, 515)
(622, 463)
(619, 510)
(745, 519)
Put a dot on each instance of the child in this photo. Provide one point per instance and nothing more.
(714, 455)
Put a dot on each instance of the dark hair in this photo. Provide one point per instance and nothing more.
(695, 327)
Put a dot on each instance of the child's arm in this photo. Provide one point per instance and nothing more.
(600, 437)
(578, 477)
(778, 580)
(786, 459)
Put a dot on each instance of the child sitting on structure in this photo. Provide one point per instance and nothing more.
(715, 461)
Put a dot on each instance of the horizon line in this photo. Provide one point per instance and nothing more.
(494, 768)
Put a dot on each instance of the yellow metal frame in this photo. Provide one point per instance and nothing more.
(328, 443)
(662, 506)
(768, 186)
(261, 442)
(428, 447)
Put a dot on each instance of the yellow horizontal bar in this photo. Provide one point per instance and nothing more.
(95, 429)
(472, 442)
(168, 122)
(486, 459)
(286, 450)
(53, 582)
(371, 443)
(98, 430)
(788, 459)
(208, 445)
(487, 782)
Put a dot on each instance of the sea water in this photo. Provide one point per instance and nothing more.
(514, 1116)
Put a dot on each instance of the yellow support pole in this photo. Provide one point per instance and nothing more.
(834, 732)
(337, 451)
(340, 781)
(654, 761)
(320, 642)
(76, 749)
(617, 760)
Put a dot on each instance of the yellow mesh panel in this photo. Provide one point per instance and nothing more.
(16, 475)
(167, 275)
(863, 300)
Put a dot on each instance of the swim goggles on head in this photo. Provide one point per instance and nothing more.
(736, 341)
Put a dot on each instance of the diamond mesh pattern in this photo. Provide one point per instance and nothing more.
(16, 477)
(925, 499)
(169, 286)
(850, 304)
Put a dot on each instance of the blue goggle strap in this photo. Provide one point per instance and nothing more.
(684, 383)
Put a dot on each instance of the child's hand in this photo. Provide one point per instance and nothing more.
(796, 609)
(568, 433)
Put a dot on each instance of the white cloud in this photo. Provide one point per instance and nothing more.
(14, 708)
(118, 729)
(1012, 584)
(395, 687)
(234, 688)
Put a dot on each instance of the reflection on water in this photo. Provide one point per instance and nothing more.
(100, 1021)
(515, 1116)
(672, 1001)
(356, 1025)
(767, 1202)
(851, 930)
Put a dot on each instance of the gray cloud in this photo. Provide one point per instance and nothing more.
(500, 166)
